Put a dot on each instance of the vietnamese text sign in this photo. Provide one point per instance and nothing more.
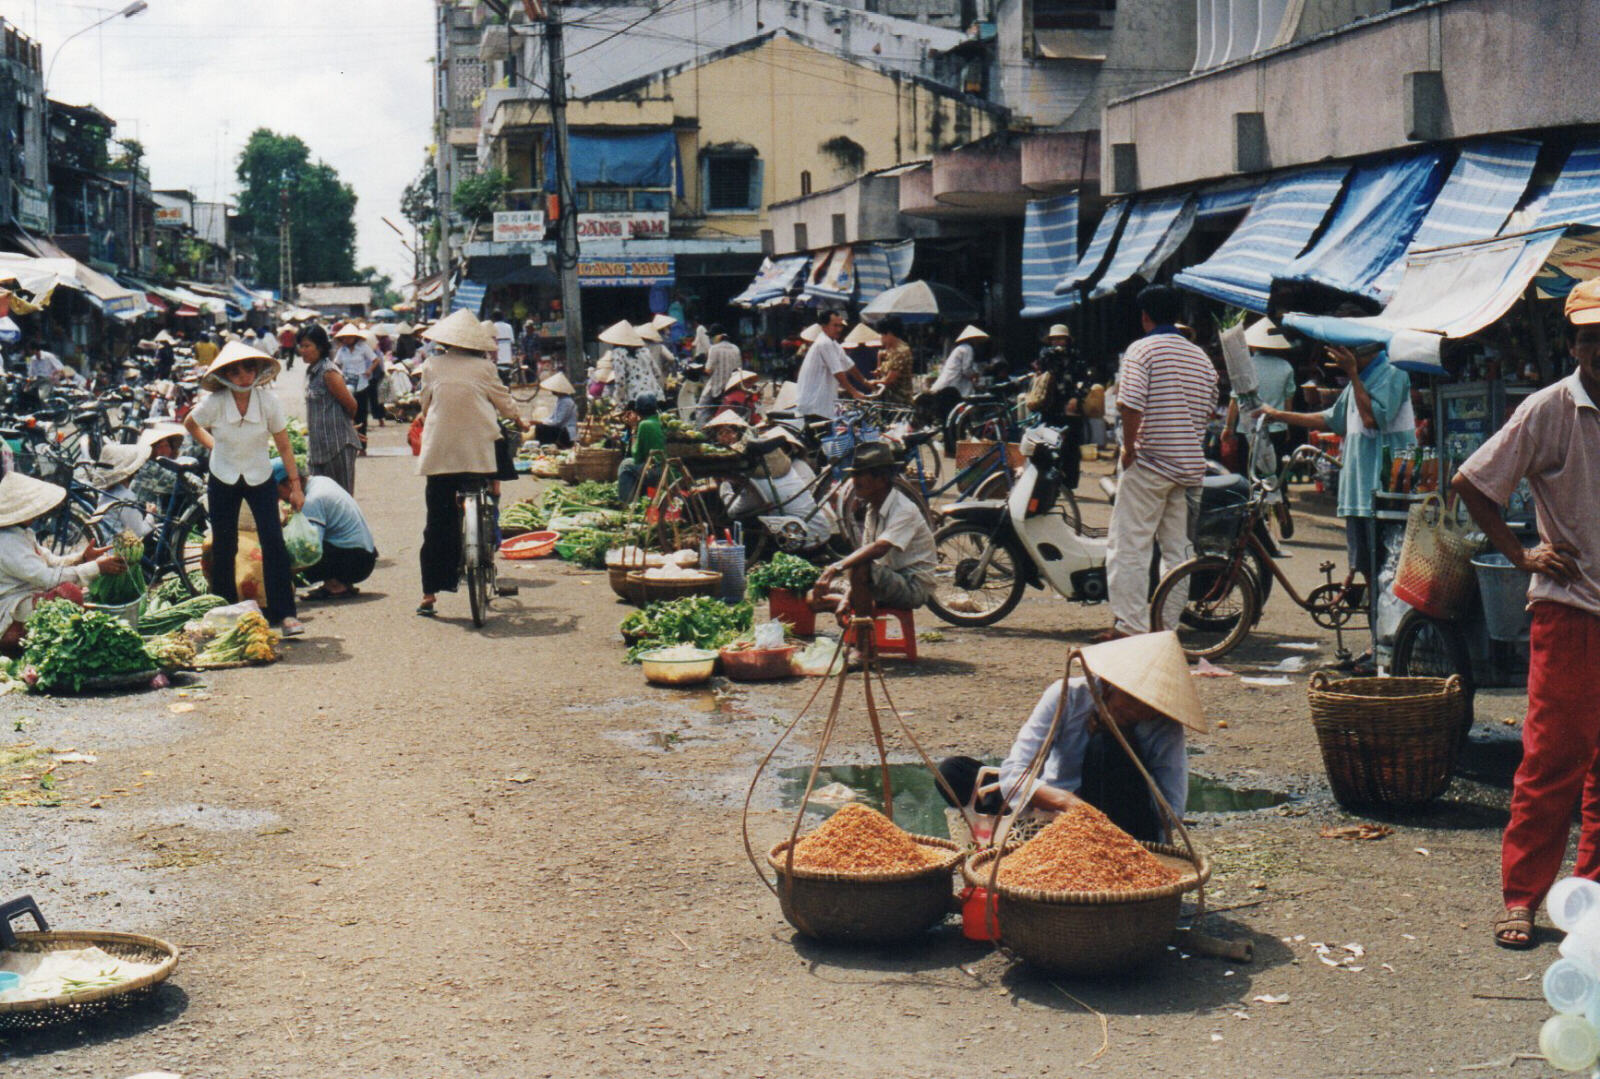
(637, 225)
(171, 217)
(602, 273)
(511, 226)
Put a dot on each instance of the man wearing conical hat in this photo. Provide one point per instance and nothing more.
(29, 574)
(1145, 683)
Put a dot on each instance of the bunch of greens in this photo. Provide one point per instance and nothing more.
(67, 645)
(786, 571)
(535, 514)
(250, 640)
(595, 495)
(115, 590)
(172, 589)
(703, 621)
(587, 547)
(160, 616)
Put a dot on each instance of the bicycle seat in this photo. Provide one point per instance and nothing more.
(913, 439)
(180, 465)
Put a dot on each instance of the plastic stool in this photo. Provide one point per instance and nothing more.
(894, 633)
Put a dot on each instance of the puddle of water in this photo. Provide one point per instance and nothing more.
(919, 807)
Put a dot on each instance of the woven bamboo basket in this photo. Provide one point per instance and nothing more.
(1090, 933)
(593, 463)
(859, 909)
(74, 1007)
(567, 472)
(1388, 742)
(617, 575)
(646, 590)
(591, 432)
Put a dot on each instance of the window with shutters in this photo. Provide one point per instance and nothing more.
(730, 183)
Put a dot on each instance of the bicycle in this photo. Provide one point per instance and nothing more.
(174, 545)
(479, 523)
(1212, 600)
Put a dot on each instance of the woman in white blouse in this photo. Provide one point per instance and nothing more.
(236, 421)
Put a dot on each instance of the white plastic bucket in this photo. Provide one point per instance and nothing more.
(1504, 589)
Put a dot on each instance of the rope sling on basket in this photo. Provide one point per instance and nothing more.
(863, 908)
(1090, 932)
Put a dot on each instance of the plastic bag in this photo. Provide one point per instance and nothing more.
(303, 540)
(818, 658)
(396, 384)
(221, 619)
(769, 635)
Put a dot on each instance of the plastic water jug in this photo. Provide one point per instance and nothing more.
(1570, 900)
(1569, 1043)
(1569, 986)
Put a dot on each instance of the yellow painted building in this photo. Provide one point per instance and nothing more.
(765, 121)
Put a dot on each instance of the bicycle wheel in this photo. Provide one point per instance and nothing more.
(1209, 602)
(1426, 647)
(978, 581)
(179, 552)
(66, 531)
(471, 559)
(488, 548)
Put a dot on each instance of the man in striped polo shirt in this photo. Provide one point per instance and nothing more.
(1166, 393)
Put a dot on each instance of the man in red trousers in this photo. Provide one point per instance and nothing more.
(1552, 441)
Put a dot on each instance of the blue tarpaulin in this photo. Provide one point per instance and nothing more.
(1049, 253)
(1229, 197)
(648, 159)
(1384, 203)
(1154, 229)
(1271, 236)
(773, 282)
(1575, 198)
(1085, 270)
(880, 267)
(468, 296)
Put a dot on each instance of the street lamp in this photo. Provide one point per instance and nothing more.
(127, 13)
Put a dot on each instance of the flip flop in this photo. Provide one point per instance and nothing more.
(322, 592)
(1514, 920)
(426, 610)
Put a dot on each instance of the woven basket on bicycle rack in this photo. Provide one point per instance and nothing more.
(1388, 742)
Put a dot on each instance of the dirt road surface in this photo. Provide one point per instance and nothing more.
(412, 849)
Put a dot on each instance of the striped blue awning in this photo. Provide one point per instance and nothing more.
(773, 281)
(1049, 252)
(1229, 197)
(1096, 253)
(1575, 198)
(1271, 236)
(1154, 229)
(1383, 206)
(876, 265)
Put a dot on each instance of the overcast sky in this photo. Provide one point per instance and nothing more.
(192, 78)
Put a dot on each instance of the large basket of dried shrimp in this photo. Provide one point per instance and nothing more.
(859, 879)
(1085, 898)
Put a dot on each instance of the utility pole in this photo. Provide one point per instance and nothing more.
(567, 223)
(444, 107)
(285, 249)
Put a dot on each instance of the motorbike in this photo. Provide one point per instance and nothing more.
(990, 551)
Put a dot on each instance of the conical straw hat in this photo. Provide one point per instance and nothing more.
(238, 352)
(646, 332)
(1151, 667)
(739, 378)
(349, 329)
(118, 463)
(622, 334)
(160, 432)
(662, 322)
(1263, 335)
(462, 330)
(861, 335)
(971, 333)
(811, 332)
(727, 418)
(22, 498)
(557, 383)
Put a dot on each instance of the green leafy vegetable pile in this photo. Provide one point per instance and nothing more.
(171, 590)
(117, 589)
(789, 572)
(702, 621)
(534, 514)
(161, 617)
(587, 547)
(67, 645)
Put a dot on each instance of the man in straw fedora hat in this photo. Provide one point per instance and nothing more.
(29, 574)
(1553, 442)
(896, 559)
(1149, 694)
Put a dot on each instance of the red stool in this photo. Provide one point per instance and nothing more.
(894, 633)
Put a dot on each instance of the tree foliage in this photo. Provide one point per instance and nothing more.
(420, 201)
(383, 291)
(321, 208)
(478, 197)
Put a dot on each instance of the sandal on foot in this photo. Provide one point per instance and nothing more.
(1515, 920)
(426, 610)
(322, 592)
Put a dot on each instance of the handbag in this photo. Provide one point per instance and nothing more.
(414, 437)
(1435, 573)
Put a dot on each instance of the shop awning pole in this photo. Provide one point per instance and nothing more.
(567, 223)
